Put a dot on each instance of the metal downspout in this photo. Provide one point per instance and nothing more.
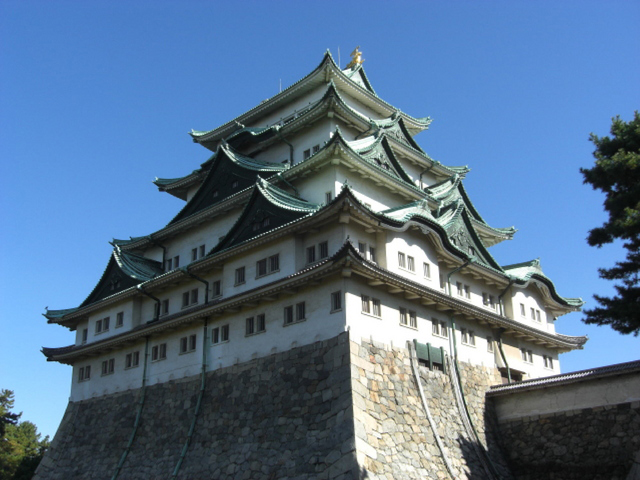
(455, 270)
(206, 284)
(422, 173)
(279, 175)
(164, 249)
(290, 147)
(158, 302)
(501, 303)
(192, 428)
(136, 424)
(432, 423)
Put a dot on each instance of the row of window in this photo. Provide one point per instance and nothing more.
(407, 262)
(322, 251)
(174, 262)
(308, 152)
(536, 315)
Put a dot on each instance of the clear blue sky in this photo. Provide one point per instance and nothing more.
(96, 99)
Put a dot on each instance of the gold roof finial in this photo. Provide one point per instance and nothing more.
(356, 58)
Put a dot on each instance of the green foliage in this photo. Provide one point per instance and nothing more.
(617, 174)
(20, 446)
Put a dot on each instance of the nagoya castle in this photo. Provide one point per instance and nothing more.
(325, 305)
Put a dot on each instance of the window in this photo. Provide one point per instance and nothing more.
(102, 325)
(376, 310)
(311, 254)
(306, 154)
(328, 196)
(490, 344)
(190, 298)
(316, 148)
(324, 249)
(538, 316)
(165, 306)
(413, 319)
(362, 248)
(216, 288)
(527, 355)
(84, 373)
(467, 291)
(533, 313)
(261, 323)
(439, 328)
(119, 319)
(194, 254)
(202, 250)
(489, 300)
(299, 313)
(220, 334)
(108, 366)
(492, 302)
(169, 264)
(215, 194)
(442, 284)
(176, 261)
(460, 289)
(366, 304)
(132, 360)
(188, 344)
(85, 335)
(522, 309)
(468, 337)
(402, 263)
(548, 362)
(255, 324)
(234, 184)
(403, 316)
(426, 270)
(372, 254)
(239, 276)
(159, 352)
(267, 265)
(411, 264)
(336, 301)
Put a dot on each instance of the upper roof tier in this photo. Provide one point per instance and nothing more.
(354, 83)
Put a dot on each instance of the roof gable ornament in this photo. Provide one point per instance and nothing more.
(356, 58)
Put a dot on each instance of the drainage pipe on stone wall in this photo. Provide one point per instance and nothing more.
(502, 312)
(192, 428)
(504, 358)
(432, 423)
(136, 424)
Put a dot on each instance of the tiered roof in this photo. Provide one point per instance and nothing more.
(229, 179)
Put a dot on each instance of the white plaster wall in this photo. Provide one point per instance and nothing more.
(531, 298)
(358, 107)
(417, 246)
(313, 188)
(293, 106)
(379, 198)
(126, 307)
(584, 394)
(320, 324)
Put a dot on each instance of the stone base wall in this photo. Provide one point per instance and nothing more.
(286, 416)
(394, 439)
(589, 444)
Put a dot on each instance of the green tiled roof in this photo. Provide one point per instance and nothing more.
(525, 271)
(56, 314)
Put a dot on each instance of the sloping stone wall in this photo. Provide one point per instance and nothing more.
(394, 439)
(597, 443)
(286, 416)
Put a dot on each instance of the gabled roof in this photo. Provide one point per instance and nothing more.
(378, 151)
(124, 270)
(325, 71)
(267, 209)
(230, 173)
(523, 273)
(179, 187)
(357, 75)
(395, 127)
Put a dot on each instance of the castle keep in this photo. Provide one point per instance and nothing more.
(325, 305)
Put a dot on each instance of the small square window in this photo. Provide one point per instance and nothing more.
(328, 197)
(85, 335)
(169, 264)
(444, 331)
(362, 248)
(538, 316)
(402, 262)
(366, 305)
(288, 314)
(435, 327)
(490, 344)
(274, 263)
(261, 324)
(306, 154)
(184, 344)
(165, 306)
(311, 254)
(119, 319)
(411, 264)
(372, 254)
(239, 276)
(261, 267)
(336, 301)
(413, 319)
(176, 261)
(460, 289)
(194, 254)
(522, 309)
(324, 249)
(467, 291)
(194, 296)
(202, 251)
(250, 326)
(316, 148)
(533, 314)
(403, 316)
(99, 326)
(426, 269)
(375, 307)
(300, 311)
(185, 299)
(216, 288)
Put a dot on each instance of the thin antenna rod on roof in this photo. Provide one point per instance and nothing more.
(339, 66)
(280, 85)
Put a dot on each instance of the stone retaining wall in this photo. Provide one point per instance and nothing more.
(588, 444)
(286, 416)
